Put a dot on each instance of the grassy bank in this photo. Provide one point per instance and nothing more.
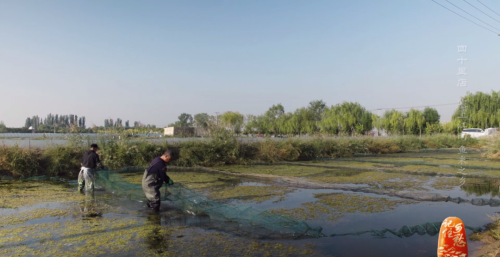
(220, 150)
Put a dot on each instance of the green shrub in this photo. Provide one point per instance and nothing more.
(20, 161)
(62, 160)
(221, 149)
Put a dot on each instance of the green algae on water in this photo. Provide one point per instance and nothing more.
(193, 180)
(331, 206)
(279, 170)
(257, 194)
(18, 193)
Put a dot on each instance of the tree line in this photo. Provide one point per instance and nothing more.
(63, 121)
(481, 111)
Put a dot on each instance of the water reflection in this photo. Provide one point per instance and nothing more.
(156, 239)
(88, 207)
(481, 187)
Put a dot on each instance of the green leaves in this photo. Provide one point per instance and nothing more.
(346, 117)
(233, 120)
(479, 110)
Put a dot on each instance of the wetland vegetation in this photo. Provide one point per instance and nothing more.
(41, 218)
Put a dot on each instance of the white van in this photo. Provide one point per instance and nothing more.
(476, 132)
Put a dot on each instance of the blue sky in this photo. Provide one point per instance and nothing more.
(150, 61)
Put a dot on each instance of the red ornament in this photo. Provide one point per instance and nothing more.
(452, 239)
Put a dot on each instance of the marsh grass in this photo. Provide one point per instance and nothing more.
(20, 161)
(222, 149)
(493, 146)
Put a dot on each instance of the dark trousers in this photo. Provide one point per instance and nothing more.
(151, 184)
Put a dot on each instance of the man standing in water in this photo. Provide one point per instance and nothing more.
(90, 161)
(154, 177)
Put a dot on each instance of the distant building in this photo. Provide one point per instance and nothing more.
(179, 131)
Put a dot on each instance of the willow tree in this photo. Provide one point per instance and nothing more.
(233, 120)
(479, 110)
(272, 116)
(302, 122)
(317, 108)
(347, 117)
(397, 121)
(255, 124)
(415, 121)
(284, 123)
(329, 123)
(201, 120)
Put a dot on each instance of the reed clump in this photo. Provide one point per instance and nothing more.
(222, 149)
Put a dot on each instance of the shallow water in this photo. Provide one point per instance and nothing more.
(136, 232)
(410, 215)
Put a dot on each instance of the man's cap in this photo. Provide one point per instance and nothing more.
(94, 146)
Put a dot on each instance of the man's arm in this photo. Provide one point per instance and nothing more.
(163, 175)
(98, 161)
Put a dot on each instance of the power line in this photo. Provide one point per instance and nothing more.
(488, 8)
(464, 17)
(472, 15)
(481, 11)
(412, 107)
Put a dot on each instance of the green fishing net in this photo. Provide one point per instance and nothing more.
(429, 228)
(248, 220)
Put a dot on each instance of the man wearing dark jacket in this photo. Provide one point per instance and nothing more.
(154, 177)
(90, 161)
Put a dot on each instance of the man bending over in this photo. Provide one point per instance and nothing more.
(154, 177)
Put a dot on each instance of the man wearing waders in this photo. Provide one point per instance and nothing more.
(154, 177)
(90, 161)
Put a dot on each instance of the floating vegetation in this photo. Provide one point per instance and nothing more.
(257, 194)
(335, 205)
(193, 180)
(20, 218)
(181, 243)
(279, 170)
(18, 193)
(309, 211)
(439, 161)
(394, 181)
(343, 173)
(133, 237)
(445, 183)
(353, 163)
(350, 203)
